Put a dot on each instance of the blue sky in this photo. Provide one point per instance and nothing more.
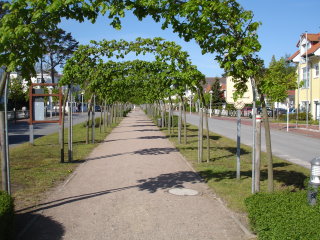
(282, 23)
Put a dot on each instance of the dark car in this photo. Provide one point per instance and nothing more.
(269, 111)
(280, 111)
(97, 108)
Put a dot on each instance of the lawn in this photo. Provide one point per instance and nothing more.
(220, 171)
(37, 168)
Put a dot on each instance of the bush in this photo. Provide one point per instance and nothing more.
(6, 216)
(125, 113)
(301, 116)
(284, 215)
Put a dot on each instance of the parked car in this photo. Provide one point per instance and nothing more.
(97, 108)
(280, 111)
(292, 110)
(269, 111)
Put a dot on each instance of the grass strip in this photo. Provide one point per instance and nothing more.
(37, 168)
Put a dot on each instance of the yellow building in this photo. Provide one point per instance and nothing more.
(307, 58)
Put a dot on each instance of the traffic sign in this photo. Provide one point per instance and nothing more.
(247, 97)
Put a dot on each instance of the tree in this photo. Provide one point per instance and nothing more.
(278, 79)
(217, 93)
(18, 95)
(59, 47)
(274, 82)
(2, 10)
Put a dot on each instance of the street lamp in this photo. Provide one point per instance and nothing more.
(314, 182)
(210, 101)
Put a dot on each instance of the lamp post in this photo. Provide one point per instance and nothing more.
(314, 182)
(210, 101)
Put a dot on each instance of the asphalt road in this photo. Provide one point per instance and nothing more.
(19, 132)
(295, 148)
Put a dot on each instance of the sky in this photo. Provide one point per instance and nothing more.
(282, 23)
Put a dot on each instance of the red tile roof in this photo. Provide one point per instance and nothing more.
(294, 55)
(314, 38)
(313, 48)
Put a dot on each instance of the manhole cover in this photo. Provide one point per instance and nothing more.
(183, 192)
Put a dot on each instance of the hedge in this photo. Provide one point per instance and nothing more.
(284, 215)
(301, 116)
(6, 216)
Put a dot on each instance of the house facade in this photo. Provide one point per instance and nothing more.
(307, 59)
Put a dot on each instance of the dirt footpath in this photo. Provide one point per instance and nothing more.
(122, 192)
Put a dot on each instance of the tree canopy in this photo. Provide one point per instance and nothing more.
(170, 73)
(277, 80)
(222, 27)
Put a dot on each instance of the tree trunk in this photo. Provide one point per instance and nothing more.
(52, 68)
(88, 120)
(200, 150)
(184, 123)
(101, 112)
(93, 119)
(62, 127)
(180, 123)
(268, 143)
(4, 167)
(111, 114)
(41, 69)
(163, 117)
(105, 116)
(208, 137)
(70, 127)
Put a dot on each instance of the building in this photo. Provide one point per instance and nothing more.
(307, 59)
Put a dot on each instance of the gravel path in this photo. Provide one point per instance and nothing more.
(121, 192)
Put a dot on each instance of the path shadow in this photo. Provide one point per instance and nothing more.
(233, 150)
(285, 177)
(155, 151)
(161, 182)
(153, 137)
(167, 181)
(142, 125)
(43, 228)
(71, 199)
(147, 130)
(107, 156)
(214, 137)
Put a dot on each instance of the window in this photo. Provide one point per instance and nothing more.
(38, 80)
(316, 68)
(305, 77)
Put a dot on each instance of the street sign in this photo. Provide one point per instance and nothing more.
(247, 97)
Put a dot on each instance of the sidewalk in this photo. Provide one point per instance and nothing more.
(122, 192)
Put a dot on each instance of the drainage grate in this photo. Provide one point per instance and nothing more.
(183, 192)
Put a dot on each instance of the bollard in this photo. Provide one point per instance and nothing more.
(314, 182)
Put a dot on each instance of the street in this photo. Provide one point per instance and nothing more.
(19, 132)
(295, 148)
